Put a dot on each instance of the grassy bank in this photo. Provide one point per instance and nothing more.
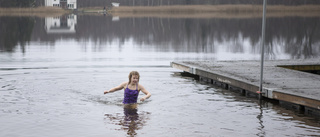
(177, 11)
(214, 8)
(209, 11)
(40, 11)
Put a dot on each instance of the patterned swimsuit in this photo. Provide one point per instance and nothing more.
(130, 96)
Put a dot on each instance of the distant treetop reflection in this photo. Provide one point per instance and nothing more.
(15, 31)
(296, 36)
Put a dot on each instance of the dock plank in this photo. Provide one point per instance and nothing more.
(279, 83)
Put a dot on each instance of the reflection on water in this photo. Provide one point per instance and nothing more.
(260, 118)
(15, 31)
(53, 83)
(130, 121)
(286, 38)
(60, 25)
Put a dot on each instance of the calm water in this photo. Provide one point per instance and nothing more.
(53, 72)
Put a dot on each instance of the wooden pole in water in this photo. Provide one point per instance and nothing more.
(262, 47)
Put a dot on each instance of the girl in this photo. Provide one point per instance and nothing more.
(132, 89)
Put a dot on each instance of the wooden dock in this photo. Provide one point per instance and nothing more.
(282, 80)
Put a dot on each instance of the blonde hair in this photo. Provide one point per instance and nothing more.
(133, 73)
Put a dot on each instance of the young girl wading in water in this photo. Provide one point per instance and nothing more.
(131, 89)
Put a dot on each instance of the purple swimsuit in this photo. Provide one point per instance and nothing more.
(130, 96)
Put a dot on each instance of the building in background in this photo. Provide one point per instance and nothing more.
(65, 4)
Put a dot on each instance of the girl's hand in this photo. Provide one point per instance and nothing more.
(105, 92)
(142, 99)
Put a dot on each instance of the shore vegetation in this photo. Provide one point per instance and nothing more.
(39, 11)
(179, 11)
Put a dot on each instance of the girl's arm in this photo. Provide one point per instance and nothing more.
(121, 86)
(148, 94)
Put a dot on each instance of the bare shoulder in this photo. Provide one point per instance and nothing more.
(124, 84)
(140, 87)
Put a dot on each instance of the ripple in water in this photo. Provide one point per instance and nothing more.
(130, 121)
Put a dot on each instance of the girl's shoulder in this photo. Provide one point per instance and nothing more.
(124, 84)
(140, 86)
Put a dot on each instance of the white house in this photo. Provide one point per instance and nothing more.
(66, 4)
(59, 25)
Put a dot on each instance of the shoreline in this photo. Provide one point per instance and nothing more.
(39, 11)
(175, 11)
(216, 11)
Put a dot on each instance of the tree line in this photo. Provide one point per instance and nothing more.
(101, 3)
(94, 3)
(18, 3)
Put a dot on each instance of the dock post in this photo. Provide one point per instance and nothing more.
(243, 92)
(262, 48)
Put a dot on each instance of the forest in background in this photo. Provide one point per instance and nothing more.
(101, 3)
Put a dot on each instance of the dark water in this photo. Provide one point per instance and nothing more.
(53, 72)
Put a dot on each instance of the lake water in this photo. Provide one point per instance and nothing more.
(54, 71)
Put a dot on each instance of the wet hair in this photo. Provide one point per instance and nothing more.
(133, 73)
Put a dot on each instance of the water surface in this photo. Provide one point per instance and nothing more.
(54, 70)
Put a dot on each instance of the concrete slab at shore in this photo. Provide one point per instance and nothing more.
(281, 81)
